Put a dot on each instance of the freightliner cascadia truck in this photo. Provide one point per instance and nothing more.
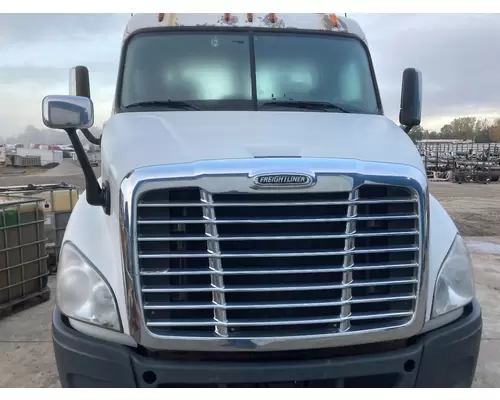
(258, 221)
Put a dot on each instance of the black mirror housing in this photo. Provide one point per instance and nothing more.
(79, 81)
(79, 85)
(410, 112)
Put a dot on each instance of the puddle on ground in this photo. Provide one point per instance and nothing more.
(479, 246)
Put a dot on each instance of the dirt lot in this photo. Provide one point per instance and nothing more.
(68, 171)
(26, 357)
(475, 208)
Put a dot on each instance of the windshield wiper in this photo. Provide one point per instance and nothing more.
(178, 105)
(310, 105)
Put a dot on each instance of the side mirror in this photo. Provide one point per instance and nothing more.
(71, 113)
(67, 112)
(410, 112)
(79, 81)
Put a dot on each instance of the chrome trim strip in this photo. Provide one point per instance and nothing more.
(277, 221)
(345, 310)
(274, 288)
(278, 204)
(275, 237)
(215, 264)
(349, 252)
(256, 306)
(330, 174)
(307, 321)
(256, 271)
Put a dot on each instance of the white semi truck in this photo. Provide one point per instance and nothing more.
(258, 221)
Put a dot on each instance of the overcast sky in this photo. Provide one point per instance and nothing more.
(457, 54)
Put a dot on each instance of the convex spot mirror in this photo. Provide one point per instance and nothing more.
(410, 112)
(66, 112)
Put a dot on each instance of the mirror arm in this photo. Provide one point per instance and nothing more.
(91, 138)
(96, 196)
(408, 128)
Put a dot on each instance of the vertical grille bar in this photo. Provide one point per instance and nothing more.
(352, 211)
(215, 264)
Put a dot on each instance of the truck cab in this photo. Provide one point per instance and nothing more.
(258, 221)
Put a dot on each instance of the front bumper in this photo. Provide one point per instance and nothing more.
(446, 357)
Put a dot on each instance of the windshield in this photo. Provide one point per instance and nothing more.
(215, 71)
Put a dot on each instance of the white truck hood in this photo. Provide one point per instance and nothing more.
(133, 140)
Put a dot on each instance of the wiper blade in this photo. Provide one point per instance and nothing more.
(311, 105)
(178, 105)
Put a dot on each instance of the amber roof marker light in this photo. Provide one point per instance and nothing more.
(334, 20)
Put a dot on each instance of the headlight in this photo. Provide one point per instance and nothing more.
(82, 293)
(455, 282)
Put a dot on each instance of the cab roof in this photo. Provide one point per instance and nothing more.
(318, 21)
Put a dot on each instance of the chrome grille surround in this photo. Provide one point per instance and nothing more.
(235, 176)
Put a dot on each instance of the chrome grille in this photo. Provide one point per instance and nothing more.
(277, 265)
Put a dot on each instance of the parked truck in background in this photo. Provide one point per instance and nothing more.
(258, 221)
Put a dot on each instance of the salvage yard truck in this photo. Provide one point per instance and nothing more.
(258, 220)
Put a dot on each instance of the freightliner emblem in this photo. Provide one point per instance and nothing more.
(277, 181)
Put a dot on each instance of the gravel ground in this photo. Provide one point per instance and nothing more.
(475, 208)
(67, 172)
